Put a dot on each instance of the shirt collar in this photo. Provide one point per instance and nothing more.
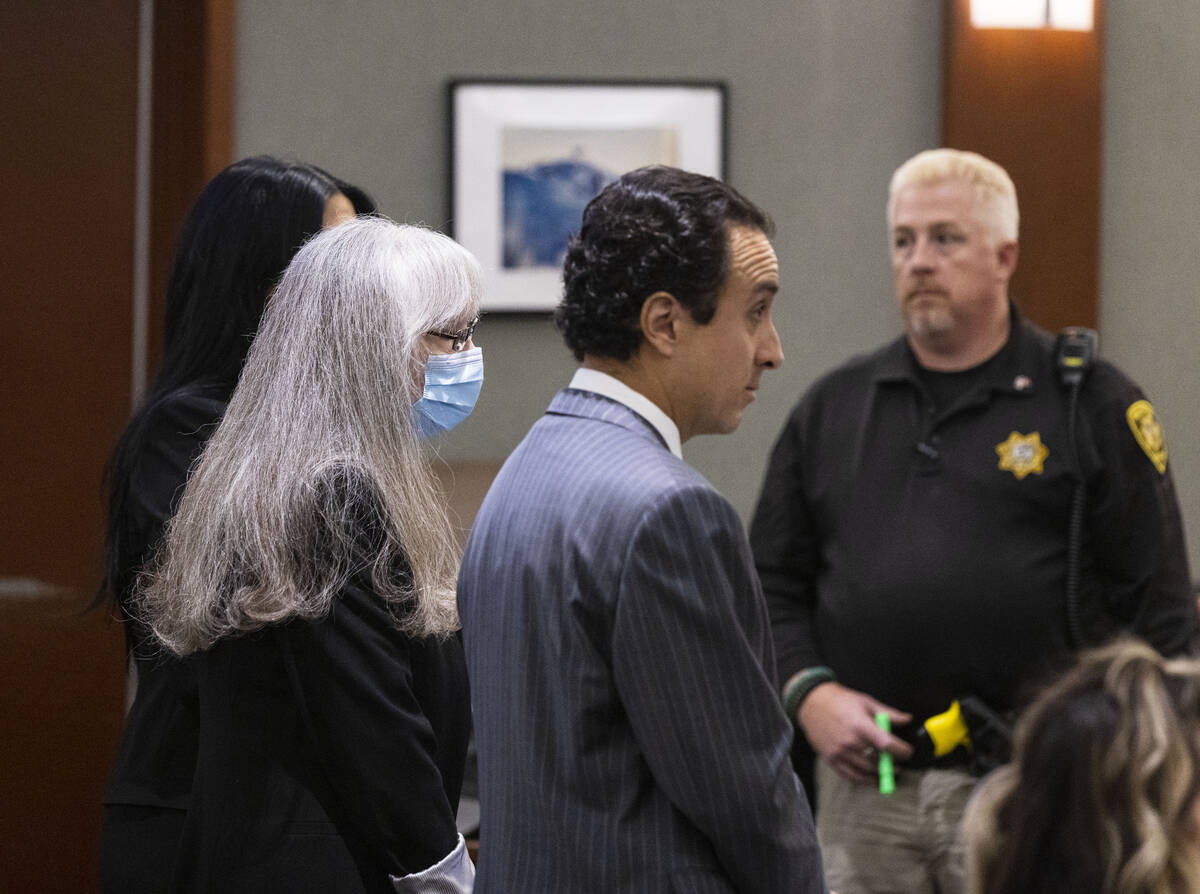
(614, 389)
(1016, 373)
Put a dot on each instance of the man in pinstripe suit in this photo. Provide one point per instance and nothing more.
(629, 730)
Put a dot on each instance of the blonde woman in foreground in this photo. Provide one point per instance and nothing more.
(1101, 796)
(310, 571)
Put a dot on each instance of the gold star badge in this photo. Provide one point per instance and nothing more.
(1022, 454)
(1148, 433)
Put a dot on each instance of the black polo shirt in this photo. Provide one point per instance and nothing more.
(920, 551)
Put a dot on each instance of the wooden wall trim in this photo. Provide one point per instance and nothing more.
(1031, 100)
(192, 127)
(220, 25)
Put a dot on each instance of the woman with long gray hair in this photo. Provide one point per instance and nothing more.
(310, 569)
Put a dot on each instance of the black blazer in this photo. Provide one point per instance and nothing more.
(331, 755)
(157, 754)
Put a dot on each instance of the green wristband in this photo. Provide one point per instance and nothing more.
(802, 684)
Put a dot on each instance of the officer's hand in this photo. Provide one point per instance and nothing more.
(840, 725)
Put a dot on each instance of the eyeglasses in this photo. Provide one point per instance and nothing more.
(459, 339)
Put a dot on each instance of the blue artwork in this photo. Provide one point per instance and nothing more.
(543, 203)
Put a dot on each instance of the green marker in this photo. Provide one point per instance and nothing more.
(887, 776)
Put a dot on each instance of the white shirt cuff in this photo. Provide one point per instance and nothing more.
(453, 874)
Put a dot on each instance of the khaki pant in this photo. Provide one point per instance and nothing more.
(906, 843)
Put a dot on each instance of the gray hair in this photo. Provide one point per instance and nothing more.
(316, 476)
(995, 194)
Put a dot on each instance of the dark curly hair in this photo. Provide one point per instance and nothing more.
(654, 229)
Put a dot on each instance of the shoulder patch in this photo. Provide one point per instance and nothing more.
(1022, 454)
(1148, 433)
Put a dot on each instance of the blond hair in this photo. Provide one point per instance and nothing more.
(1101, 791)
(995, 194)
(316, 475)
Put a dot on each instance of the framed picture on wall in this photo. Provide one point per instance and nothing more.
(527, 156)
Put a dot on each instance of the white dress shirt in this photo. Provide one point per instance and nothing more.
(603, 384)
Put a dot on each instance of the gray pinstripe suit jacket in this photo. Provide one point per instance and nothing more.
(630, 736)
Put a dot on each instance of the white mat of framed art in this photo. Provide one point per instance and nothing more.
(526, 156)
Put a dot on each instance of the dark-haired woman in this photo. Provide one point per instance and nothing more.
(238, 238)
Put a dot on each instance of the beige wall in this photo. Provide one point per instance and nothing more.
(825, 99)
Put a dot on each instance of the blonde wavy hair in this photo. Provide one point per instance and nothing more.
(315, 475)
(1102, 791)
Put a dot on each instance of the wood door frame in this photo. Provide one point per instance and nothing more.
(192, 130)
(1032, 101)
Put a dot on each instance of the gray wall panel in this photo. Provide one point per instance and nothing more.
(1150, 235)
(825, 99)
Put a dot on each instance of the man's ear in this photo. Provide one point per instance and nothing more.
(1006, 256)
(660, 322)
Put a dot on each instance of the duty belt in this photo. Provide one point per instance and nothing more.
(969, 735)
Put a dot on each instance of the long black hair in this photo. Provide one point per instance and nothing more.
(238, 238)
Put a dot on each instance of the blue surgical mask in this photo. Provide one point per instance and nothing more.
(452, 383)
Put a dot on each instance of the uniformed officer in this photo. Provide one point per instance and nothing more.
(912, 533)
